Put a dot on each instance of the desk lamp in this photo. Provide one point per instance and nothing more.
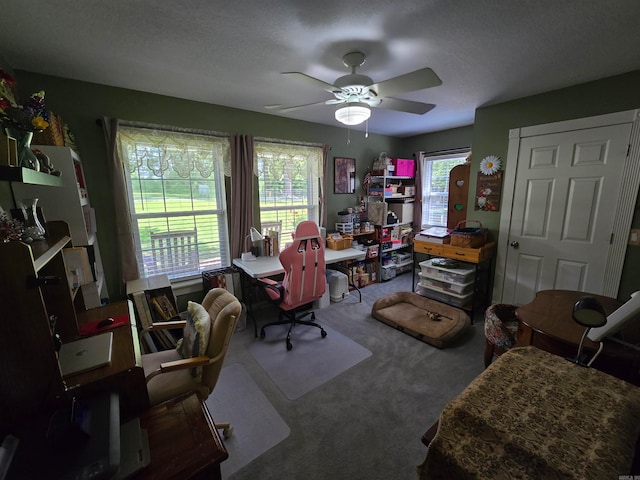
(588, 312)
(255, 236)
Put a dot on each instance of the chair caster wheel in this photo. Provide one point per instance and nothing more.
(289, 345)
(227, 432)
(323, 333)
(261, 333)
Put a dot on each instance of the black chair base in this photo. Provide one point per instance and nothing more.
(293, 320)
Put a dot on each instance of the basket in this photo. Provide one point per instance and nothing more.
(468, 237)
(344, 242)
(53, 134)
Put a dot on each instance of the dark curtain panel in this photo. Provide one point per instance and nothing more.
(323, 186)
(126, 245)
(242, 191)
(417, 205)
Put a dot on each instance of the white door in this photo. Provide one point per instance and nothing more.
(564, 228)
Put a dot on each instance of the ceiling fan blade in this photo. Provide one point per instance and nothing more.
(282, 108)
(406, 106)
(313, 81)
(409, 82)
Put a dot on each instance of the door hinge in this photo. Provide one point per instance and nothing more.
(628, 149)
(611, 240)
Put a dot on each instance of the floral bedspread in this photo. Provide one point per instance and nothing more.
(534, 415)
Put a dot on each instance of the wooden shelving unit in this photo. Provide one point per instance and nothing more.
(36, 299)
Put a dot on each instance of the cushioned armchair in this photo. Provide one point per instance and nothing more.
(195, 365)
(304, 280)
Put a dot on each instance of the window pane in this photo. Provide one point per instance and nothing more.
(288, 184)
(176, 196)
(435, 188)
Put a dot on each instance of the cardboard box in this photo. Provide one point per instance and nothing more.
(404, 211)
(407, 189)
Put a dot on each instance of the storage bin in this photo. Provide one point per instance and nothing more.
(403, 167)
(339, 244)
(448, 287)
(344, 227)
(444, 297)
(402, 257)
(404, 211)
(388, 272)
(372, 251)
(461, 275)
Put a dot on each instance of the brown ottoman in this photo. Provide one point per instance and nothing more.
(425, 319)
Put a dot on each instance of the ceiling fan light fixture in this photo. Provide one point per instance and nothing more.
(353, 113)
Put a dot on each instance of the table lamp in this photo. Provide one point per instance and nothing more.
(588, 312)
(255, 236)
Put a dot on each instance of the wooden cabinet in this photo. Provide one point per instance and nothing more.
(38, 303)
(70, 204)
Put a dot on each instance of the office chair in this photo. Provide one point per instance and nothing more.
(205, 342)
(304, 280)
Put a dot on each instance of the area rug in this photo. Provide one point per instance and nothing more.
(312, 361)
(257, 426)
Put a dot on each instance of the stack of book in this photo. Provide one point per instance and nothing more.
(434, 235)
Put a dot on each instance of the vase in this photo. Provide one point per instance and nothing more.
(32, 226)
(26, 158)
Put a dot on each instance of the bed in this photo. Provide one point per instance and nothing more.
(535, 415)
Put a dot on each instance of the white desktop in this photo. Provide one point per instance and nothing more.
(269, 266)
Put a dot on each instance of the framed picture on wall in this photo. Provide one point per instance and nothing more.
(344, 177)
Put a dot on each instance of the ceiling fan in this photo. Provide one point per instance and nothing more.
(356, 93)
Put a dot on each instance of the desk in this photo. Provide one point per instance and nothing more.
(270, 266)
(547, 323)
(125, 374)
(183, 441)
(263, 267)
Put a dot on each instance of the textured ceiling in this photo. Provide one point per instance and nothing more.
(234, 53)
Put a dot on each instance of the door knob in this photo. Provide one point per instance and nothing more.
(514, 244)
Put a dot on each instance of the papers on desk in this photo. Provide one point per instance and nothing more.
(434, 235)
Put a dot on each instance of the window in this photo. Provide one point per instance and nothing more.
(289, 187)
(177, 200)
(435, 187)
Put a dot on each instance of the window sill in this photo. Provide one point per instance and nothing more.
(186, 286)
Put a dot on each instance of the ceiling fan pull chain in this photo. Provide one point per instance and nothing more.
(366, 129)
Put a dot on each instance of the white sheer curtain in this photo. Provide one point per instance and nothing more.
(183, 152)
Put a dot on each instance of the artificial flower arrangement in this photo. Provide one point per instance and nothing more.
(32, 115)
(10, 229)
